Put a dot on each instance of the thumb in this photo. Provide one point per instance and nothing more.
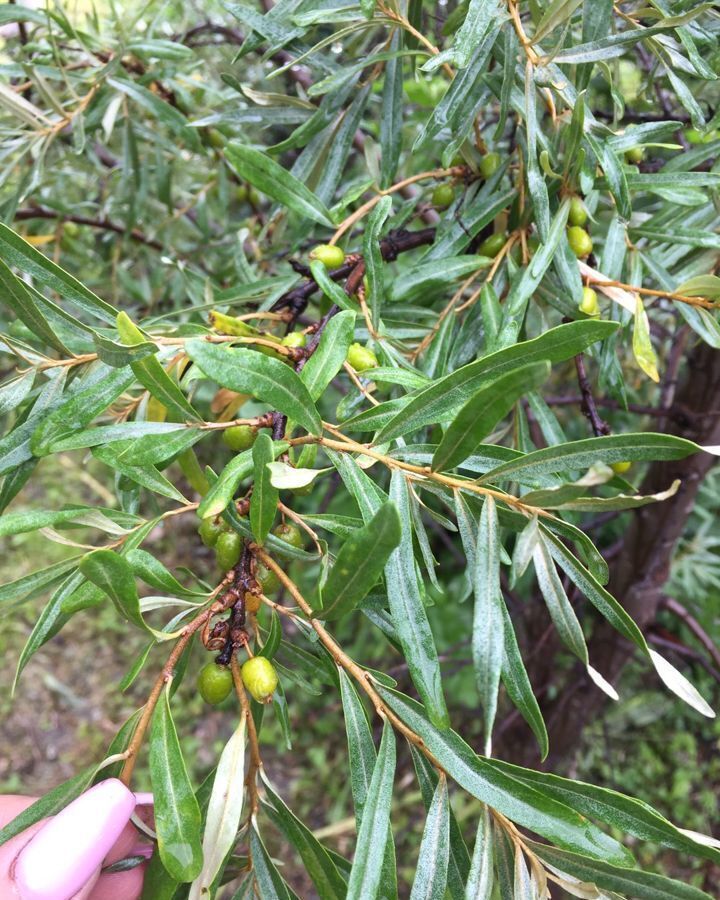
(60, 858)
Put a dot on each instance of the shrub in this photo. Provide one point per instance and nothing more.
(174, 189)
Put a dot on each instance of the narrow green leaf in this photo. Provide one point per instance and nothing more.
(111, 573)
(275, 181)
(374, 264)
(328, 358)
(583, 454)
(408, 612)
(458, 859)
(269, 882)
(432, 866)
(223, 489)
(392, 113)
(426, 277)
(15, 390)
(517, 684)
(525, 285)
(18, 253)
(634, 883)
(362, 757)
(177, 814)
(365, 875)
(480, 777)
(264, 378)
(330, 288)
(360, 563)
(604, 602)
(152, 376)
(361, 749)
(451, 392)
(483, 411)
(18, 298)
(488, 621)
(81, 408)
(154, 573)
(626, 813)
(481, 878)
(118, 355)
(13, 593)
(559, 607)
(319, 866)
(145, 475)
(264, 500)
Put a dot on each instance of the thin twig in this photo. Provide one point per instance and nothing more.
(599, 426)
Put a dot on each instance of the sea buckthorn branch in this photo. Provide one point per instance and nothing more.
(347, 445)
(652, 292)
(421, 38)
(360, 212)
(587, 405)
(391, 246)
(363, 678)
(256, 764)
(166, 675)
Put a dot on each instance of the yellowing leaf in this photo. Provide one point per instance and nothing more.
(642, 347)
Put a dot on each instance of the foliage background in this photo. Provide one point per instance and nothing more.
(157, 211)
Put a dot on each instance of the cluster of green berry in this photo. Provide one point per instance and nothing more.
(444, 194)
(258, 674)
(215, 682)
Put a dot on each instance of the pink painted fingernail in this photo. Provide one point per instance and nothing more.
(65, 853)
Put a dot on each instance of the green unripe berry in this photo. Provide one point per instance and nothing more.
(71, 229)
(578, 214)
(215, 138)
(635, 155)
(330, 256)
(489, 164)
(580, 241)
(239, 437)
(210, 530)
(260, 678)
(267, 579)
(227, 550)
(492, 245)
(247, 194)
(620, 468)
(443, 195)
(291, 534)
(361, 358)
(294, 339)
(699, 137)
(214, 683)
(589, 302)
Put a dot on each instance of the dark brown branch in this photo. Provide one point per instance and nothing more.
(296, 299)
(678, 610)
(677, 412)
(599, 426)
(42, 212)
